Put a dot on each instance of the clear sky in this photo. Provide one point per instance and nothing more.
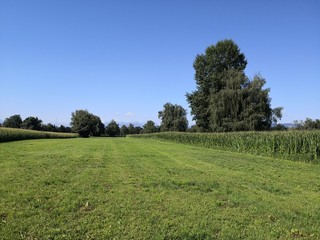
(123, 60)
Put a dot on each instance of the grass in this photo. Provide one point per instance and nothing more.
(127, 188)
(14, 134)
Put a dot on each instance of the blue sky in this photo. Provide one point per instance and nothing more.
(123, 60)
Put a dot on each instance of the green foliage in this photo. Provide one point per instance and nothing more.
(125, 188)
(112, 129)
(134, 129)
(49, 127)
(149, 127)
(131, 129)
(173, 118)
(86, 124)
(31, 123)
(53, 128)
(308, 124)
(276, 114)
(225, 99)
(13, 121)
(97, 126)
(294, 145)
(12, 134)
(124, 131)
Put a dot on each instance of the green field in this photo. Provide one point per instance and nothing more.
(128, 188)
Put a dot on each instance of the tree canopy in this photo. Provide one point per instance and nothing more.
(86, 124)
(112, 129)
(225, 98)
(173, 118)
(149, 127)
(13, 121)
(32, 123)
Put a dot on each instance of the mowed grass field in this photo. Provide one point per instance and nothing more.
(127, 188)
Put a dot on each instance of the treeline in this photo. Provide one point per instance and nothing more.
(86, 124)
(33, 123)
(308, 124)
(82, 122)
(173, 118)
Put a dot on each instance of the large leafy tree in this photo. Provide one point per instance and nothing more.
(97, 126)
(124, 131)
(85, 123)
(33, 123)
(210, 69)
(173, 118)
(131, 129)
(112, 129)
(13, 121)
(225, 98)
(149, 127)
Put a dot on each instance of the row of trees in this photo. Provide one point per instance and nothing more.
(32, 123)
(173, 118)
(86, 124)
(308, 124)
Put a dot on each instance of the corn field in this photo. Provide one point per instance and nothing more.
(292, 145)
(14, 134)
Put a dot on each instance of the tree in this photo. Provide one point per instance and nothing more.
(112, 129)
(13, 122)
(97, 126)
(138, 130)
(62, 128)
(82, 122)
(32, 123)
(308, 124)
(124, 131)
(134, 129)
(226, 104)
(149, 127)
(276, 114)
(131, 129)
(173, 118)
(257, 112)
(49, 127)
(298, 124)
(210, 68)
(225, 99)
